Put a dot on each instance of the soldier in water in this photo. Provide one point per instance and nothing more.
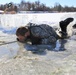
(42, 34)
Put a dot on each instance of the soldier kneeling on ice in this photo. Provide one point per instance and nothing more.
(42, 34)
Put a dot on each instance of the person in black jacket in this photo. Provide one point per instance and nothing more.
(42, 34)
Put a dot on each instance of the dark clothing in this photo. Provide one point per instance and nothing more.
(42, 34)
(64, 24)
(33, 39)
(45, 34)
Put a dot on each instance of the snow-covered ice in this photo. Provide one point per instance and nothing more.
(24, 59)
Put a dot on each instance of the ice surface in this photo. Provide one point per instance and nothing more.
(24, 59)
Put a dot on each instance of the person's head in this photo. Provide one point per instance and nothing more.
(9, 5)
(22, 33)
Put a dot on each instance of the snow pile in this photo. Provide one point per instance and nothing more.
(9, 23)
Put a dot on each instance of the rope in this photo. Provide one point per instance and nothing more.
(8, 43)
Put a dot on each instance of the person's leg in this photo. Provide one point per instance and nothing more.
(63, 26)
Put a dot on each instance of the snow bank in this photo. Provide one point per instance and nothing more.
(16, 20)
(10, 22)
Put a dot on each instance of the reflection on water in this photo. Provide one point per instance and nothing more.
(60, 45)
(17, 48)
(9, 50)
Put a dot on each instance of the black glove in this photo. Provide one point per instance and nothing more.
(17, 39)
(21, 41)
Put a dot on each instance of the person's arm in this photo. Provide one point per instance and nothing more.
(5, 11)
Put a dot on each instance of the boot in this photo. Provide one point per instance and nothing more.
(63, 26)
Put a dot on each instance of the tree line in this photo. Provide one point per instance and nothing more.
(37, 6)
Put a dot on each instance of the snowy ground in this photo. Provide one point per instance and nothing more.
(24, 59)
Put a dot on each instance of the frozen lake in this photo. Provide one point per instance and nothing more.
(23, 59)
